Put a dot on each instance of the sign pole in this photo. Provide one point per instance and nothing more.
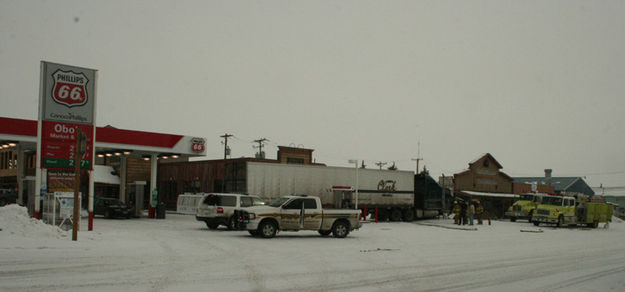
(78, 151)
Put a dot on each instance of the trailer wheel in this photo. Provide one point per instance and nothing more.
(396, 215)
(408, 215)
(340, 229)
(267, 229)
(382, 215)
(560, 221)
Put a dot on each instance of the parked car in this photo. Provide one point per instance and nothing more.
(7, 196)
(111, 208)
(218, 209)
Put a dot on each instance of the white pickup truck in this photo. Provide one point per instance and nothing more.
(294, 213)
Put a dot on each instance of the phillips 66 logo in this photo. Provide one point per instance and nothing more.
(70, 88)
(197, 145)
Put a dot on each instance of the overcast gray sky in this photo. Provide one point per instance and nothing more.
(538, 84)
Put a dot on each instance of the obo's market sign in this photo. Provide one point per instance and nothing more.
(68, 103)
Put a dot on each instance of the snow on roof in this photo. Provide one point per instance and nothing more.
(609, 191)
(104, 174)
(495, 195)
(559, 183)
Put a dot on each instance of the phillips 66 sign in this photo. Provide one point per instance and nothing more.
(69, 88)
(68, 93)
(67, 104)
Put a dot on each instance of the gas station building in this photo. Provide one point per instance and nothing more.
(125, 163)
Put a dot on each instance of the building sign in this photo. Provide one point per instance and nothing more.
(68, 93)
(60, 180)
(58, 143)
(67, 104)
(197, 144)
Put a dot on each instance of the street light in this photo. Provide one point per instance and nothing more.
(355, 162)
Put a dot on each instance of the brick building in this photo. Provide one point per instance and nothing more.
(485, 181)
(223, 176)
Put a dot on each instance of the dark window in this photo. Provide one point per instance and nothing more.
(246, 201)
(191, 186)
(229, 201)
(212, 200)
(310, 204)
(219, 200)
(291, 160)
(295, 204)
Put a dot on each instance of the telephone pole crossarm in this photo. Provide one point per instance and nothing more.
(226, 136)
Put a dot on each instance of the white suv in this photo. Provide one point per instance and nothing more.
(216, 209)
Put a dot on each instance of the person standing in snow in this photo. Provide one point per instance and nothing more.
(463, 213)
(456, 211)
(471, 212)
(479, 212)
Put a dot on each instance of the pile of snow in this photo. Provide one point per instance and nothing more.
(14, 220)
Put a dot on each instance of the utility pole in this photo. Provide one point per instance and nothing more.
(260, 147)
(226, 136)
(418, 156)
(417, 160)
(79, 150)
(380, 164)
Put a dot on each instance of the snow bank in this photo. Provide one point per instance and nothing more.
(14, 220)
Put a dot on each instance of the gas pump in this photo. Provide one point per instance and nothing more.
(135, 199)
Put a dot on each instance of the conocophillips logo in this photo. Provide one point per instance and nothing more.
(197, 145)
(70, 88)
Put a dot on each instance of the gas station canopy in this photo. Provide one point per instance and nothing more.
(109, 140)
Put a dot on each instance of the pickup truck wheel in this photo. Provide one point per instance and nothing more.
(267, 229)
(340, 229)
(560, 221)
(396, 215)
(325, 232)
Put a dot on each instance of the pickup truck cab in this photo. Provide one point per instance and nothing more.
(294, 213)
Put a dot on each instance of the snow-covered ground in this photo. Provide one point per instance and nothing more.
(181, 254)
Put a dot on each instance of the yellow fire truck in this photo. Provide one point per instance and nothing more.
(568, 210)
(524, 208)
